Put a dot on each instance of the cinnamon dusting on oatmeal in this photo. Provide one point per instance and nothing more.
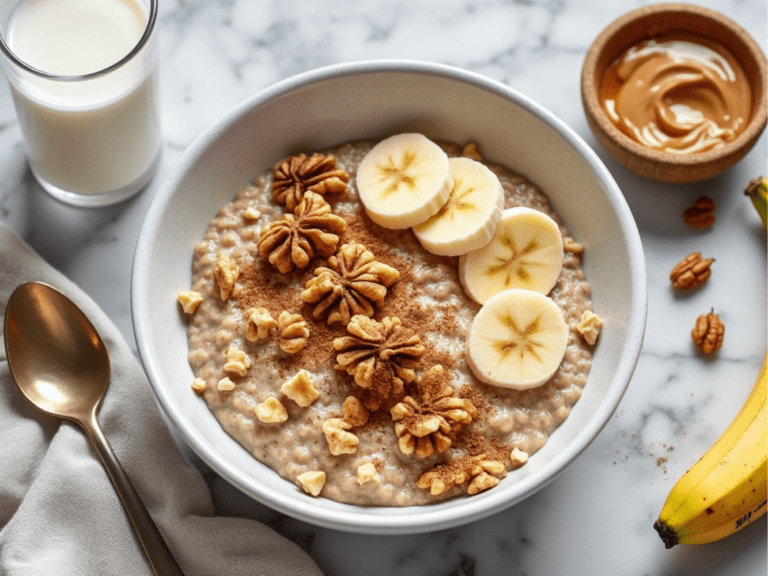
(424, 298)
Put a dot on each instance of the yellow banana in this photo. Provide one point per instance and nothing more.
(726, 489)
(757, 190)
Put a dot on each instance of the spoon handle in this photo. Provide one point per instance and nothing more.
(160, 558)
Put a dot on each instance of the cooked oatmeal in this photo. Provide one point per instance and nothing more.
(286, 384)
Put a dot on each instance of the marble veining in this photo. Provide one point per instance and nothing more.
(595, 518)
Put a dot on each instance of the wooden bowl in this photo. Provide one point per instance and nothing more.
(646, 23)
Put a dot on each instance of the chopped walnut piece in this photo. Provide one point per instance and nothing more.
(190, 301)
(518, 456)
(691, 272)
(298, 174)
(484, 474)
(351, 284)
(471, 150)
(225, 273)
(708, 333)
(295, 239)
(570, 245)
(271, 411)
(701, 214)
(199, 385)
(225, 384)
(237, 361)
(422, 424)
(367, 473)
(260, 322)
(312, 482)
(251, 213)
(482, 482)
(589, 326)
(339, 440)
(293, 332)
(444, 477)
(481, 472)
(382, 356)
(300, 389)
(354, 412)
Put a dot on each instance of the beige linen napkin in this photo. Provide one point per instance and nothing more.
(59, 514)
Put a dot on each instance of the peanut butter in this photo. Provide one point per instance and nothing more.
(678, 93)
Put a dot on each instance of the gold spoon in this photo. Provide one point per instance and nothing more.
(60, 364)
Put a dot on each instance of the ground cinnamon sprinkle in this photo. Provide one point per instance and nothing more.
(261, 285)
(428, 300)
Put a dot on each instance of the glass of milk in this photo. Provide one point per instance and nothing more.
(84, 79)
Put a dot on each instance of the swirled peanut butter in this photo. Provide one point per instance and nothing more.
(677, 93)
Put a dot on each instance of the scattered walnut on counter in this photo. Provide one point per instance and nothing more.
(701, 214)
(708, 332)
(691, 272)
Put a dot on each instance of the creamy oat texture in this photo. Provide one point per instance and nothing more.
(427, 298)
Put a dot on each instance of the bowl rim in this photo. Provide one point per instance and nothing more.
(355, 518)
(710, 158)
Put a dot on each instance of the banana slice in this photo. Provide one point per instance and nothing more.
(526, 251)
(517, 340)
(404, 180)
(469, 217)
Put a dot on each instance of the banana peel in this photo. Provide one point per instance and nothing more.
(757, 190)
(727, 488)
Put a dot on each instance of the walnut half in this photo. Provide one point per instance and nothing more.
(382, 356)
(312, 230)
(296, 175)
(293, 332)
(708, 332)
(351, 284)
(422, 423)
(691, 272)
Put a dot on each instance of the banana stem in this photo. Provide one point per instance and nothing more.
(667, 534)
(757, 190)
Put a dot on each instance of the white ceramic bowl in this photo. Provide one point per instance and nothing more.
(329, 106)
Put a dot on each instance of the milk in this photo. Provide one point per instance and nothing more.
(98, 135)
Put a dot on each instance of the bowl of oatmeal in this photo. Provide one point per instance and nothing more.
(319, 351)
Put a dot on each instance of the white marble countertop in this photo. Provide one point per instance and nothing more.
(596, 518)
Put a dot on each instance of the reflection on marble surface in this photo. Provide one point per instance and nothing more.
(596, 517)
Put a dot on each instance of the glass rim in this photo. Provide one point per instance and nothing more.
(90, 75)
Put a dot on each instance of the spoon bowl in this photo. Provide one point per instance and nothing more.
(60, 364)
(60, 375)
